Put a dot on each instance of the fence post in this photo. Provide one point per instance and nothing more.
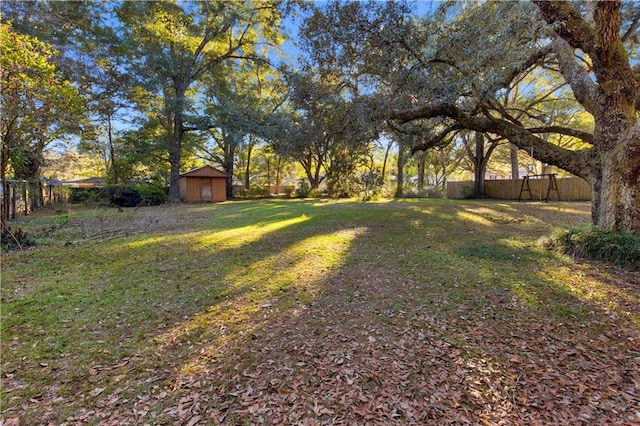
(14, 202)
(25, 198)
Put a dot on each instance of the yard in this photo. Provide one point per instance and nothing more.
(316, 312)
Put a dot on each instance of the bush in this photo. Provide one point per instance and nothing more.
(86, 195)
(619, 248)
(370, 185)
(303, 191)
(414, 194)
(13, 239)
(289, 191)
(132, 195)
(253, 192)
(316, 193)
(151, 194)
(434, 192)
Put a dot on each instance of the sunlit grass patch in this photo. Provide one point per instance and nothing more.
(237, 237)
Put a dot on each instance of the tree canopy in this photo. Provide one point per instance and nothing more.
(452, 68)
(38, 104)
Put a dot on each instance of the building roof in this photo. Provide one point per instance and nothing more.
(205, 171)
(51, 182)
(85, 183)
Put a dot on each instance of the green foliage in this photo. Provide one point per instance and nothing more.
(86, 195)
(124, 195)
(370, 185)
(14, 238)
(341, 179)
(184, 49)
(316, 193)
(620, 248)
(303, 191)
(252, 192)
(132, 195)
(39, 105)
(288, 192)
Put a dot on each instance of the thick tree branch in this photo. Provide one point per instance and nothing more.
(584, 89)
(575, 162)
(633, 27)
(535, 59)
(436, 141)
(601, 41)
(568, 24)
(583, 136)
(607, 19)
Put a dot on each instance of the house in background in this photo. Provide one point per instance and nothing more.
(203, 185)
(91, 182)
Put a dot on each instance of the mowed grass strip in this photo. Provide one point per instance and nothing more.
(111, 323)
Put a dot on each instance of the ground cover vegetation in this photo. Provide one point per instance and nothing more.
(316, 312)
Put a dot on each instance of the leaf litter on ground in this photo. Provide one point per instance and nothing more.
(416, 313)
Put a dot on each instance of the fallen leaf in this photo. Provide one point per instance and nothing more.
(96, 392)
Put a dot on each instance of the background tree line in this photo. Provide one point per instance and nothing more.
(156, 87)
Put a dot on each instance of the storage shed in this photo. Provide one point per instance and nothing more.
(203, 185)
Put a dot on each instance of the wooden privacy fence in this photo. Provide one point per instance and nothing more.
(569, 189)
(21, 197)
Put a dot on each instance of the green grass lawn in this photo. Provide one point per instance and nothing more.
(316, 312)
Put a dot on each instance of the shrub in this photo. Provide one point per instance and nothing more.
(288, 191)
(371, 185)
(13, 239)
(253, 192)
(86, 195)
(414, 194)
(151, 194)
(620, 248)
(316, 193)
(303, 191)
(132, 195)
(434, 192)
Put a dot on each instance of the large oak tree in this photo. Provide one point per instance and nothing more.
(463, 59)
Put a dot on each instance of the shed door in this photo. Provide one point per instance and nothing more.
(206, 191)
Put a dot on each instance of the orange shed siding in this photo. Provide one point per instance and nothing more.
(203, 189)
(204, 184)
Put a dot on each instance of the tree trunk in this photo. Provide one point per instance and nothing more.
(478, 182)
(515, 163)
(616, 189)
(268, 173)
(400, 184)
(174, 161)
(4, 214)
(314, 181)
(278, 178)
(611, 98)
(175, 106)
(247, 176)
(422, 159)
(479, 167)
(386, 157)
(229, 155)
(112, 152)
